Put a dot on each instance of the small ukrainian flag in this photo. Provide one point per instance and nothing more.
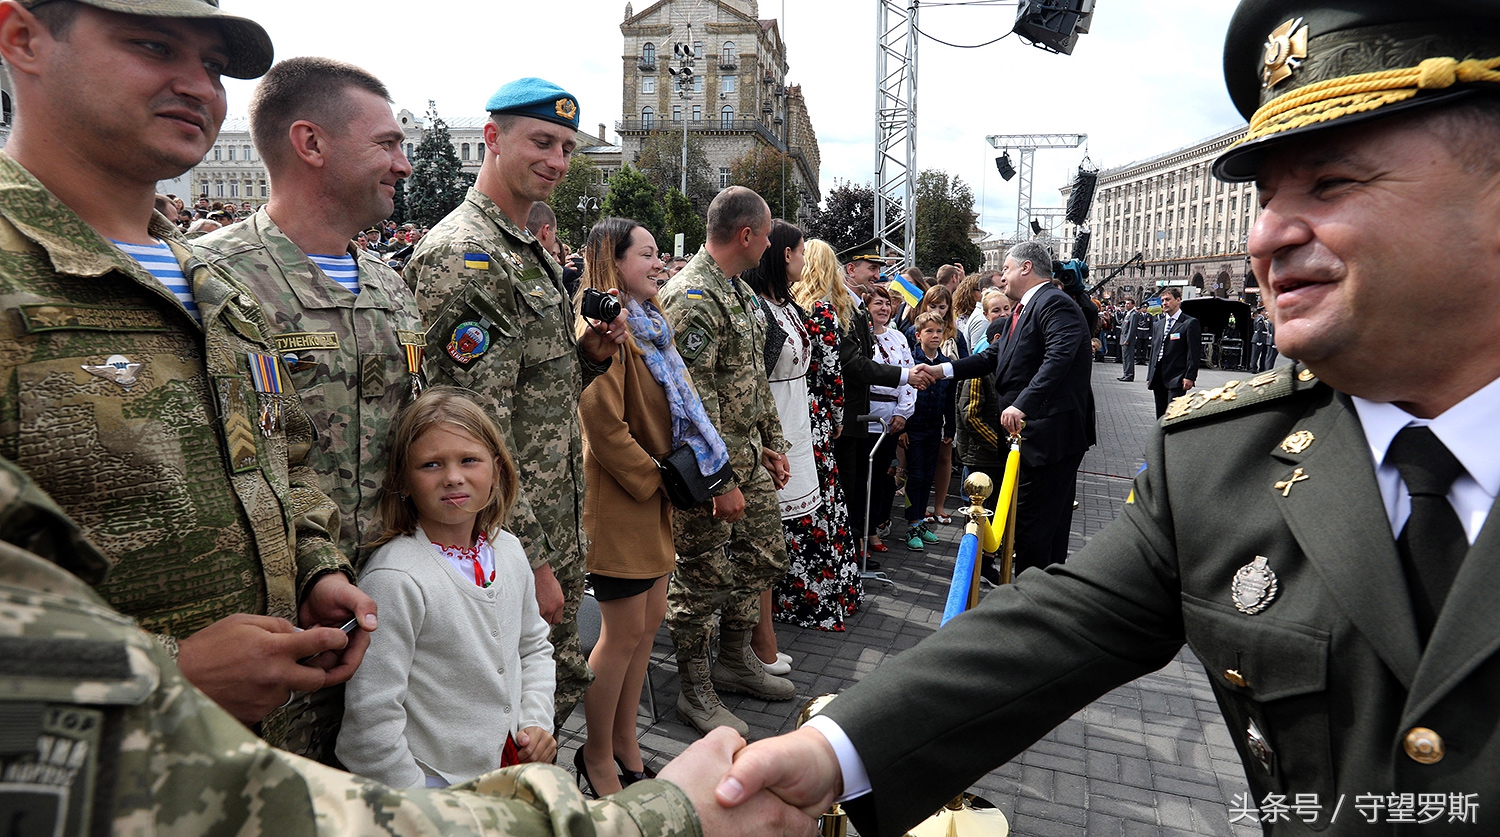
(694, 294)
(909, 292)
(477, 261)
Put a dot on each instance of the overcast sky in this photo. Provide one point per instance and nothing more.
(1147, 79)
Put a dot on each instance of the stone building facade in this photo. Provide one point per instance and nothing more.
(739, 98)
(1190, 228)
(232, 170)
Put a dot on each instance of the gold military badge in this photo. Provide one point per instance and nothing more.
(1297, 442)
(1285, 50)
(567, 109)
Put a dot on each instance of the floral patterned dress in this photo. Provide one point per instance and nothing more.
(822, 586)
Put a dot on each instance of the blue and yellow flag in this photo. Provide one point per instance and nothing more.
(909, 292)
(477, 261)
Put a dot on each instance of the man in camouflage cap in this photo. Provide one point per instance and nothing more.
(345, 323)
(500, 324)
(103, 735)
(141, 386)
(727, 554)
(1320, 534)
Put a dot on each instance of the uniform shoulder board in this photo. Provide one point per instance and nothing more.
(1233, 395)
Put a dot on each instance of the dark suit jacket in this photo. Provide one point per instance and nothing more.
(1043, 370)
(856, 353)
(1331, 672)
(1128, 326)
(1181, 357)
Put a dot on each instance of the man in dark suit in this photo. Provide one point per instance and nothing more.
(851, 450)
(1130, 320)
(1176, 342)
(1319, 534)
(1041, 363)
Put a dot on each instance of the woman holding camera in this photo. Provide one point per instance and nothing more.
(641, 409)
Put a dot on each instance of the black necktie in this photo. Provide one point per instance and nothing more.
(1432, 544)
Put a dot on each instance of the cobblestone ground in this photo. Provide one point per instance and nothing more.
(1150, 758)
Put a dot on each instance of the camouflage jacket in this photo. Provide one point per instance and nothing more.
(347, 355)
(500, 324)
(145, 425)
(721, 333)
(103, 734)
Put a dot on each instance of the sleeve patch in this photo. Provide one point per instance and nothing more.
(692, 342)
(477, 261)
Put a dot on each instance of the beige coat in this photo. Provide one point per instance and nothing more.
(626, 422)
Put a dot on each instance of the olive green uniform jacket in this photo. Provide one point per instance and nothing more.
(347, 355)
(105, 735)
(1328, 668)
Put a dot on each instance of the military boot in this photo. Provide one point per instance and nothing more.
(698, 704)
(739, 670)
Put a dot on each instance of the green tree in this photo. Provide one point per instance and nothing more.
(847, 217)
(632, 196)
(945, 215)
(772, 175)
(581, 180)
(660, 161)
(438, 182)
(399, 213)
(681, 217)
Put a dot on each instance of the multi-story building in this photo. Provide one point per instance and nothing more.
(232, 170)
(7, 109)
(738, 99)
(1189, 228)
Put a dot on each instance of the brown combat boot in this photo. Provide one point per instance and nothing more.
(739, 670)
(698, 704)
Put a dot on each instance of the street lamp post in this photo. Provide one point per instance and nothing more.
(586, 204)
(682, 76)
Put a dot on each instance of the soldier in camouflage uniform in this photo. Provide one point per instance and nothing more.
(348, 354)
(162, 432)
(500, 325)
(103, 735)
(727, 556)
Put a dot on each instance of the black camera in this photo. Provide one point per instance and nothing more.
(598, 305)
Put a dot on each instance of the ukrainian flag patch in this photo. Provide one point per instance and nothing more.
(477, 261)
(694, 293)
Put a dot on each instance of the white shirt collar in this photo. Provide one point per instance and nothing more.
(1031, 292)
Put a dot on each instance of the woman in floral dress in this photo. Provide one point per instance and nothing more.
(822, 585)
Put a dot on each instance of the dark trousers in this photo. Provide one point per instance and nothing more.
(883, 486)
(1163, 396)
(1044, 512)
(1127, 359)
(921, 469)
(852, 453)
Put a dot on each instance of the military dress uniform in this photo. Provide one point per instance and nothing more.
(720, 331)
(355, 360)
(103, 734)
(499, 324)
(156, 433)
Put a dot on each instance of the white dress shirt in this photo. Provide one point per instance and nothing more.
(1466, 430)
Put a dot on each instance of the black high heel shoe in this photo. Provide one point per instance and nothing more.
(629, 777)
(585, 784)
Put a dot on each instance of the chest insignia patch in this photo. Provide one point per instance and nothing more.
(1297, 442)
(117, 369)
(470, 340)
(1254, 586)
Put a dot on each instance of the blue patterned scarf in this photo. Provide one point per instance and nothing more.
(690, 423)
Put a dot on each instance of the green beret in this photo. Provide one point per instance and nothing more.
(1294, 67)
(537, 98)
(250, 51)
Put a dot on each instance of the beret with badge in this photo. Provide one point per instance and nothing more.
(536, 98)
(250, 51)
(1294, 67)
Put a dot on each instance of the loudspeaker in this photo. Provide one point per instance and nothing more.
(1054, 25)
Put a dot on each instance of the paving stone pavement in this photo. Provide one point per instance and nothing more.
(1153, 757)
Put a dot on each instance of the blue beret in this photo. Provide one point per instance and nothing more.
(537, 98)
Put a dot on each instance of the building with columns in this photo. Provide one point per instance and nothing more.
(739, 98)
(233, 171)
(1189, 228)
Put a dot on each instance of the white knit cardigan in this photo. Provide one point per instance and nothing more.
(451, 668)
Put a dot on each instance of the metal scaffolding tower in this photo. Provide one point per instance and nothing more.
(1027, 144)
(896, 129)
